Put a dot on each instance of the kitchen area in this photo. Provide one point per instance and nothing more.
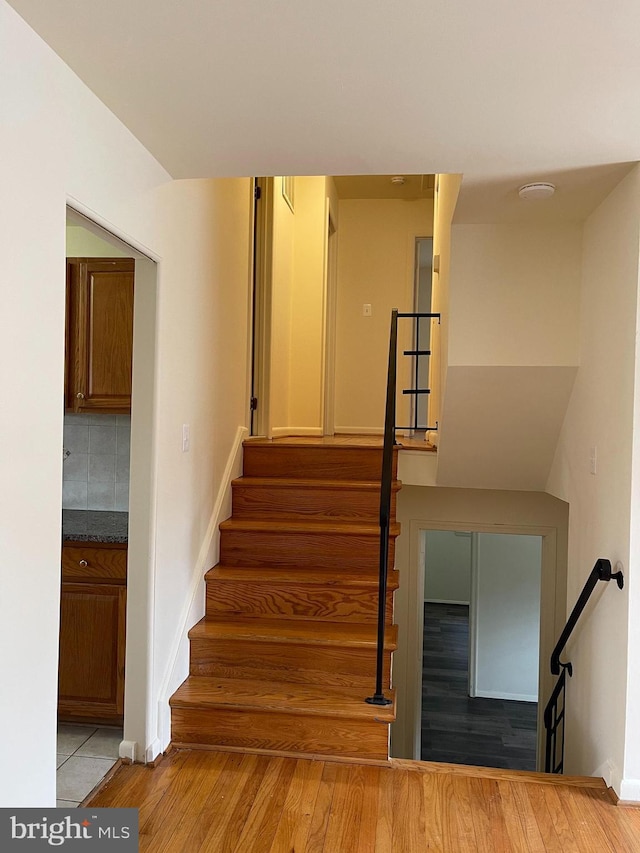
(95, 501)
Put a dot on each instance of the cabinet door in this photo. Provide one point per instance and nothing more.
(92, 645)
(100, 342)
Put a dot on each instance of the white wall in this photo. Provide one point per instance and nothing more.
(506, 616)
(447, 576)
(601, 414)
(306, 364)
(58, 142)
(376, 257)
(514, 294)
(512, 352)
(298, 308)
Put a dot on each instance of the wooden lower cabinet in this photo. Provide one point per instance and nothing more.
(92, 648)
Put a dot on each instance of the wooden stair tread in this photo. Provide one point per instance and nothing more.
(350, 528)
(305, 632)
(322, 577)
(321, 485)
(335, 442)
(209, 693)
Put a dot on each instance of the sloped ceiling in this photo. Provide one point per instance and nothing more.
(239, 87)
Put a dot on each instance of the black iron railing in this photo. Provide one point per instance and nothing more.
(390, 427)
(554, 713)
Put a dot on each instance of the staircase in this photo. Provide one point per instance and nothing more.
(286, 653)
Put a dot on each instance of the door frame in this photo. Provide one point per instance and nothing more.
(552, 590)
(140, 741)
(329, 321)
(262, 265)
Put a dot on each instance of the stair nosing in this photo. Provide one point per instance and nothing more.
(197, 632)
(279, 705)
(329, 526)
(305, 577)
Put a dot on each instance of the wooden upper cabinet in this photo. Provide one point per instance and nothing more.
(99, 335)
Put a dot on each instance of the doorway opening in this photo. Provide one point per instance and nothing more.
(107, 505)
(481, 641)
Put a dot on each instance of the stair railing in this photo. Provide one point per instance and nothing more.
(386, 484)
(554, 713)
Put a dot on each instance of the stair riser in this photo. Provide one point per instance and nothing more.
(295, 601)
(290, 662)
(328, 463)
(313, 550)
(280, 732)
(318, 504)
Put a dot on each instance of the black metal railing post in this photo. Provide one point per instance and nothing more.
(378, 697)
(553, 718)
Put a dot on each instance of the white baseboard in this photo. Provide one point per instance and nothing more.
(153, 751)
(359, 430)
(129, 749)
(628, 790)
(284, 432)
(611, 775)
(513, 697)
(193, 609)
(444, 601)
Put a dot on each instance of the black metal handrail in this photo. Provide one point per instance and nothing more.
(386, 484)
(553, 717)
(378, 697)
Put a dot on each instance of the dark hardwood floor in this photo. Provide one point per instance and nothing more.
(455, 728)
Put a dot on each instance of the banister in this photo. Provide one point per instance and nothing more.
(378, 697)
(386, 478)
(554, 719)
(600, 572)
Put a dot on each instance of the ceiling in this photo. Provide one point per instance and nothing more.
(494, 90)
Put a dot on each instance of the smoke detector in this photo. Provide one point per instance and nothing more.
(539, 189)
(398, 180)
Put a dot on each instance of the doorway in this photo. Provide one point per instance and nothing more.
(133, 436)
(481, 640)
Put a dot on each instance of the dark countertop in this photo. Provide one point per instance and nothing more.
(87, 525)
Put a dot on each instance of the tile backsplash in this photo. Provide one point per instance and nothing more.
(96, 471)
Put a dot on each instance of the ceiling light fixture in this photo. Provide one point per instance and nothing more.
(398, 180)
(539, 189)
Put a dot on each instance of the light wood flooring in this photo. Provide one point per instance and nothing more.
(248, 803)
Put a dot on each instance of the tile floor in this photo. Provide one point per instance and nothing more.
(85, 756)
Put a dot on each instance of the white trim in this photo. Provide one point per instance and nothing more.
(443, 601)
(610, 773)
(512, 697)
(473, 618)
(232, 470)
(329, 318)
(153, 751)
(629, 790)
(128, 749)
(344, 430)
(94, 218)
(283, 432)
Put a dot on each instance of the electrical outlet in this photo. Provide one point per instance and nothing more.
(366, 309)
(186, 438)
